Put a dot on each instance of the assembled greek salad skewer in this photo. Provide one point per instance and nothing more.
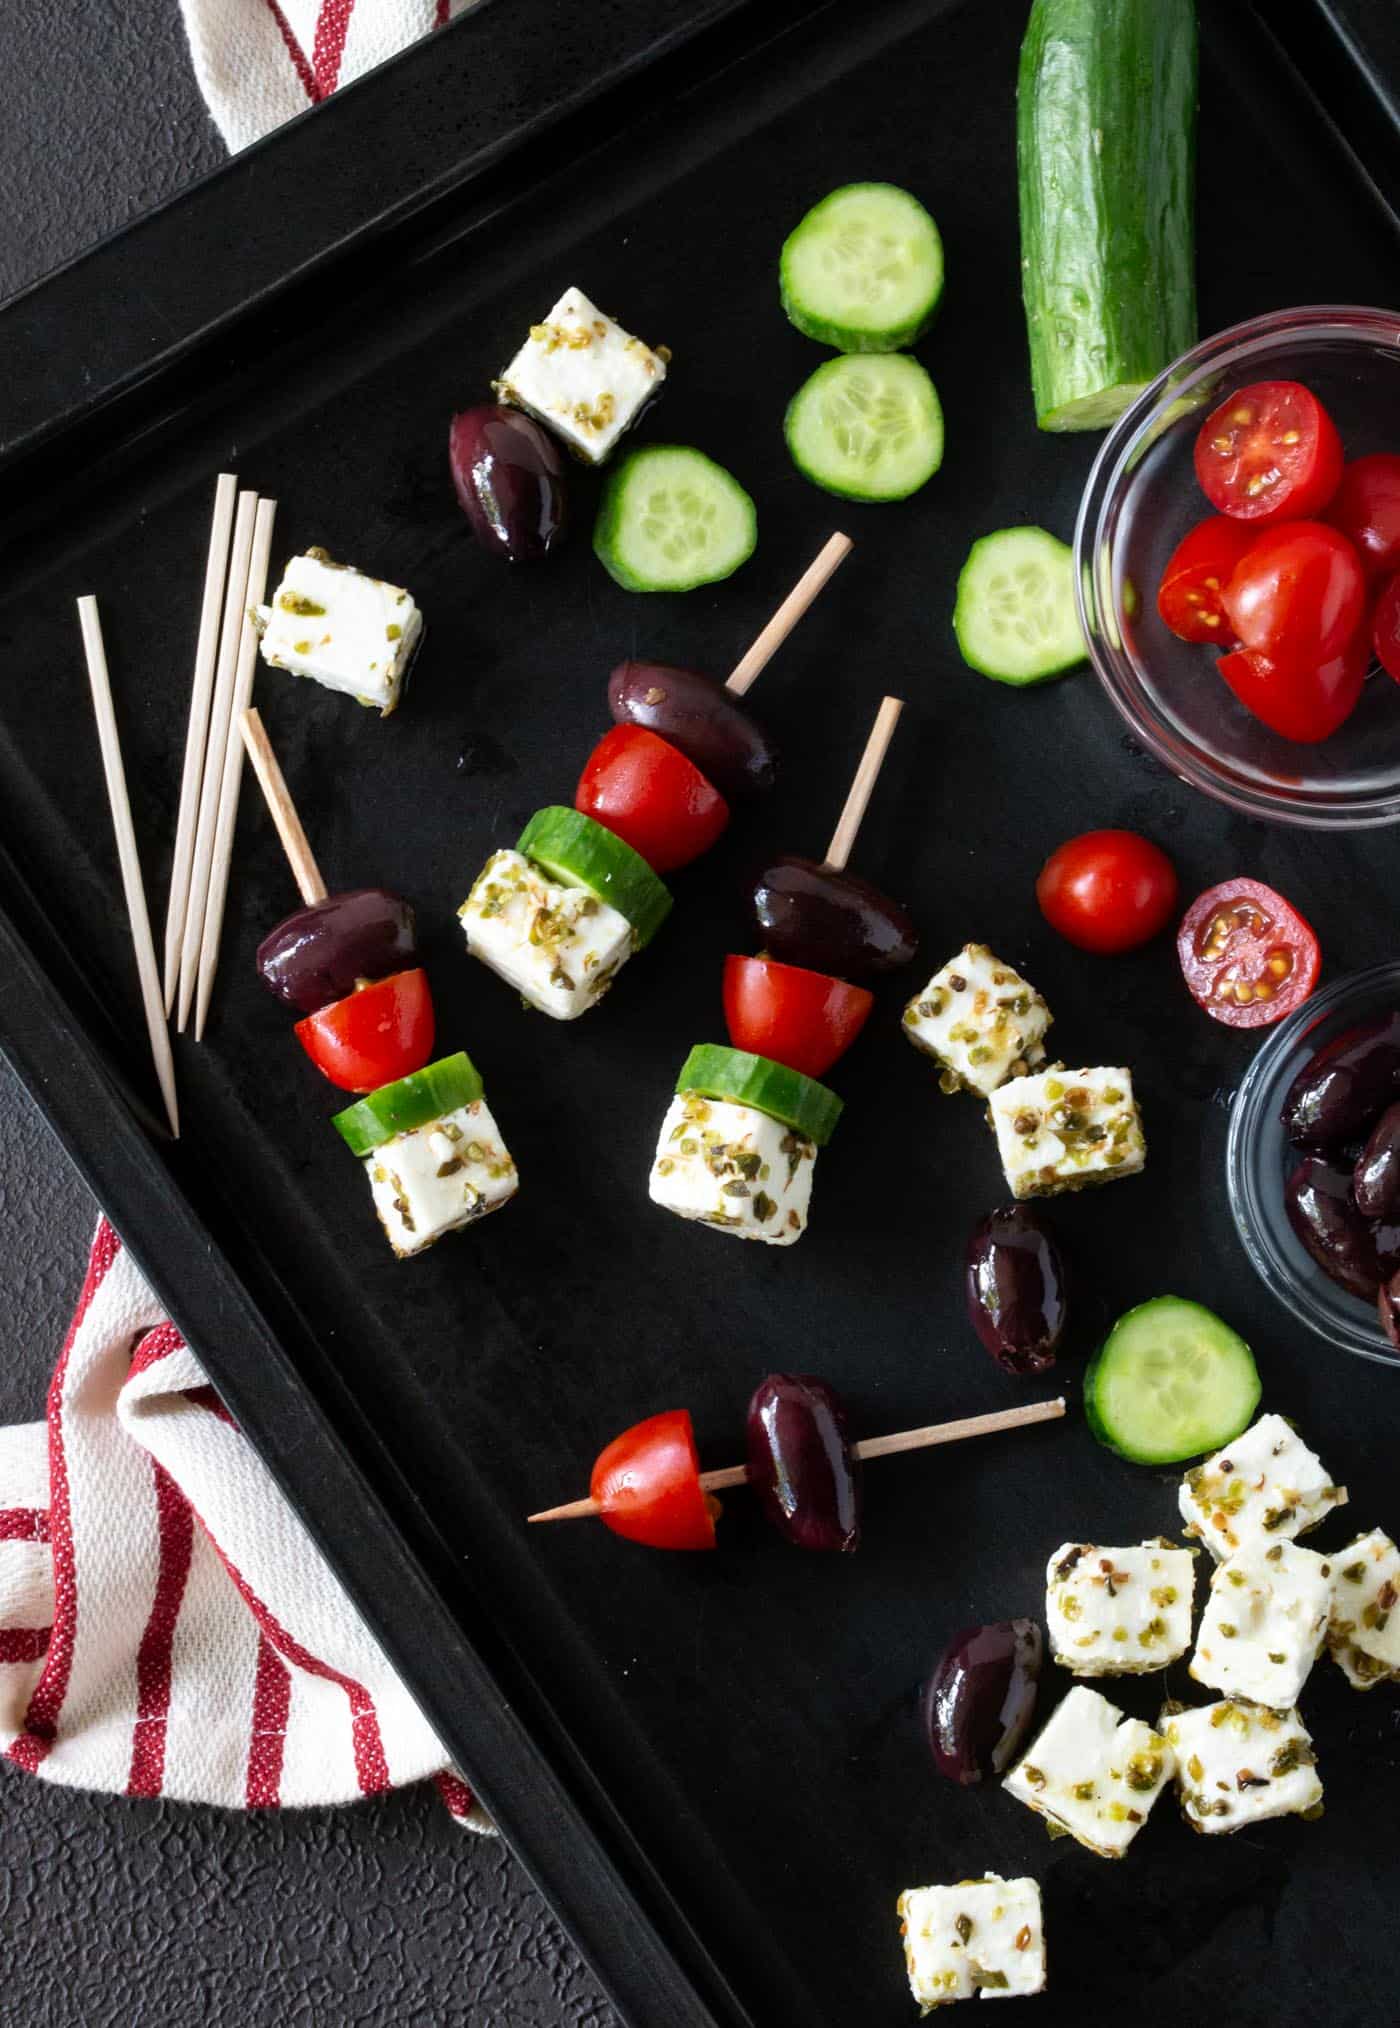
(433, 1153)
(558, 916)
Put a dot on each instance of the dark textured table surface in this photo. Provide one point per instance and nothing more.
(112, 1911)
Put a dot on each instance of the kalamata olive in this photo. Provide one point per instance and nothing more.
(322, 952)
(1323, 1213)
(1388, 1309)
(1015, 1286)
(830, 922)
(1376, 1181)
(801, 1464)
(979, 1700)
(1385, 1236)
(699, 716)
(509, 475)
(1336, 1097)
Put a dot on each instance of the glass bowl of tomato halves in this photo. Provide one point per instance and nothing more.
(1238, 564)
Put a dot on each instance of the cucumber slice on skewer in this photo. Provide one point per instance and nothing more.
(578, 851)
(1171, 1381)
(671, 519)
(1015, 616)
(412, 1101)
(863, 271)
(867, 428)
(799, 1102)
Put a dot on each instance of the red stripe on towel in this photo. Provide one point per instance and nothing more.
(272, 1700)
(332, 27)
(153, 1657)
(23, 1644)
(24, 1524)
(294, 51)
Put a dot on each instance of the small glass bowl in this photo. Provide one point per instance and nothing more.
(1141, 498)
(1258, 1157)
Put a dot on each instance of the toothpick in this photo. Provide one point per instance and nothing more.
(283, 810)
(843, 838)
(824, 565)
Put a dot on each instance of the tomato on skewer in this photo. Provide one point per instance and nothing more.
(646, 1484)
(373, 1036)
(798, 1017)
(647, 792)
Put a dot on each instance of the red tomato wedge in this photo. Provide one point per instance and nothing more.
(1200, 567)
(1299, 704)
(1367, 510)
(374, 1035)
(1107, 891)
(1385, 627)
(647, 1485)
(1246, 954)
(656, 800)
(1298, 595)
(1269, 452)
(800, 1018)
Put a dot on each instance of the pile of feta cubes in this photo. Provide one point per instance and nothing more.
(1271, 1609)
(1056, 1129)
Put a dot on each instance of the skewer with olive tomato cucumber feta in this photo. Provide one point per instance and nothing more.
(560, 914)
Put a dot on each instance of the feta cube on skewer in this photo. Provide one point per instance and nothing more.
(1266, 1486)
(430, 1180)
(733, 1167)
(980, 1020)
(582, 376)
(1093, 1772)
(1119, 1612)
(1363, 1629)
(983, 1937)
(1264, 1623)
(560, 947)
(1238, 1764)
(342, 629)
(1064, 1129)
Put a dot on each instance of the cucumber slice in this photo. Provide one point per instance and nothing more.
(868, 428)
(799, 1102)
(863, 271)
(412, 1101)
(671, 519)
(1015, 617)
(1170, 1381)
(577, 851)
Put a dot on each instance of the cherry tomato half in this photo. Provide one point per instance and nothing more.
(374, 1035)
(656, 800)
(1200, 567)
(1107, 890)
(1269, 452)
(1367, 510)
(1298, 595)
(800, 1018)
(1300, 704)
(647, 1485)
(1246, 954)
(1385, 627)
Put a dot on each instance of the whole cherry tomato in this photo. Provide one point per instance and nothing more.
(647, 1485)
(657, 801)
(800, 1018)
(374, 1035)
(1107, 891)
(1269, 452)
(1200, 567)
(1299, 704)
(1367, 510)
(1385, 627)
(1298, 594)
(1246, 954)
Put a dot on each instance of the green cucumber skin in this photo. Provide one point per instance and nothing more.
(1101, 1431)
(826, 1107)
(608, 529)
(863, 494)
(962, 602)
(1106, 118)
(842, 338)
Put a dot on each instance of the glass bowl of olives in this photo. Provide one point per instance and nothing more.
(1313, 1163)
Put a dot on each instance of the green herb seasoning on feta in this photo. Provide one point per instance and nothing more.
(432, 1179)
(1265, 1487)
(1093, 1774)
(1065, 1129)
(1119, 1612)
(1264, 1623)
(982, 1938)
(979, 1020)
(583, 376)
(346, 631)
(733, 1167)
(1239, 1764)
(1363, 1629)
(560, 947)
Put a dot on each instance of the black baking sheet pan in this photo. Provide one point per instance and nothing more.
(711, 1764)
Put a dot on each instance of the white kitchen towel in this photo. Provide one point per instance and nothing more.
(260, 61)
(167, 1627)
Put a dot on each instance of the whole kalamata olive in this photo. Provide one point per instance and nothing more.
(812, 915)
(322, 952)
(1376, 1181)
(509, 476)
(1388, 1309)
(979, 1700)
(1323, 1213)
(1015, 1287)
(801, 1463)
(1336, 1096)
(700, 717)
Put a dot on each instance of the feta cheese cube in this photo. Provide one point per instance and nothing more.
(979, 1020)
(981, 1937)
(734, 1168)
(1119, 1612)
(1363, 1630)
(582, 376)
(1064, 1129)
(560, 947)
(344, 630)
(430, 1180)
(1238, 1764)
(1264, 1623)
(1093, 1772)
(1264, 1487)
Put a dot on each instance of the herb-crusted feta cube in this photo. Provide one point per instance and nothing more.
(979, 1020)
(1264, 1623)
(983, 1937)
(1266, 1486)
(583, 376)
(1239, 1764)
(430, 1180)
(1119, 1612)
(346, 631)
(1363, 1629)
(560, 947)
(1064, 1129)
(733, 1167)
(1093, 1772)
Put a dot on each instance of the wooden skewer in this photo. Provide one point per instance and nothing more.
(144, 944)
(201, 689)
(824, 565)
(278, 797)
(843, 838)
(232, 775)
(871, 1447)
